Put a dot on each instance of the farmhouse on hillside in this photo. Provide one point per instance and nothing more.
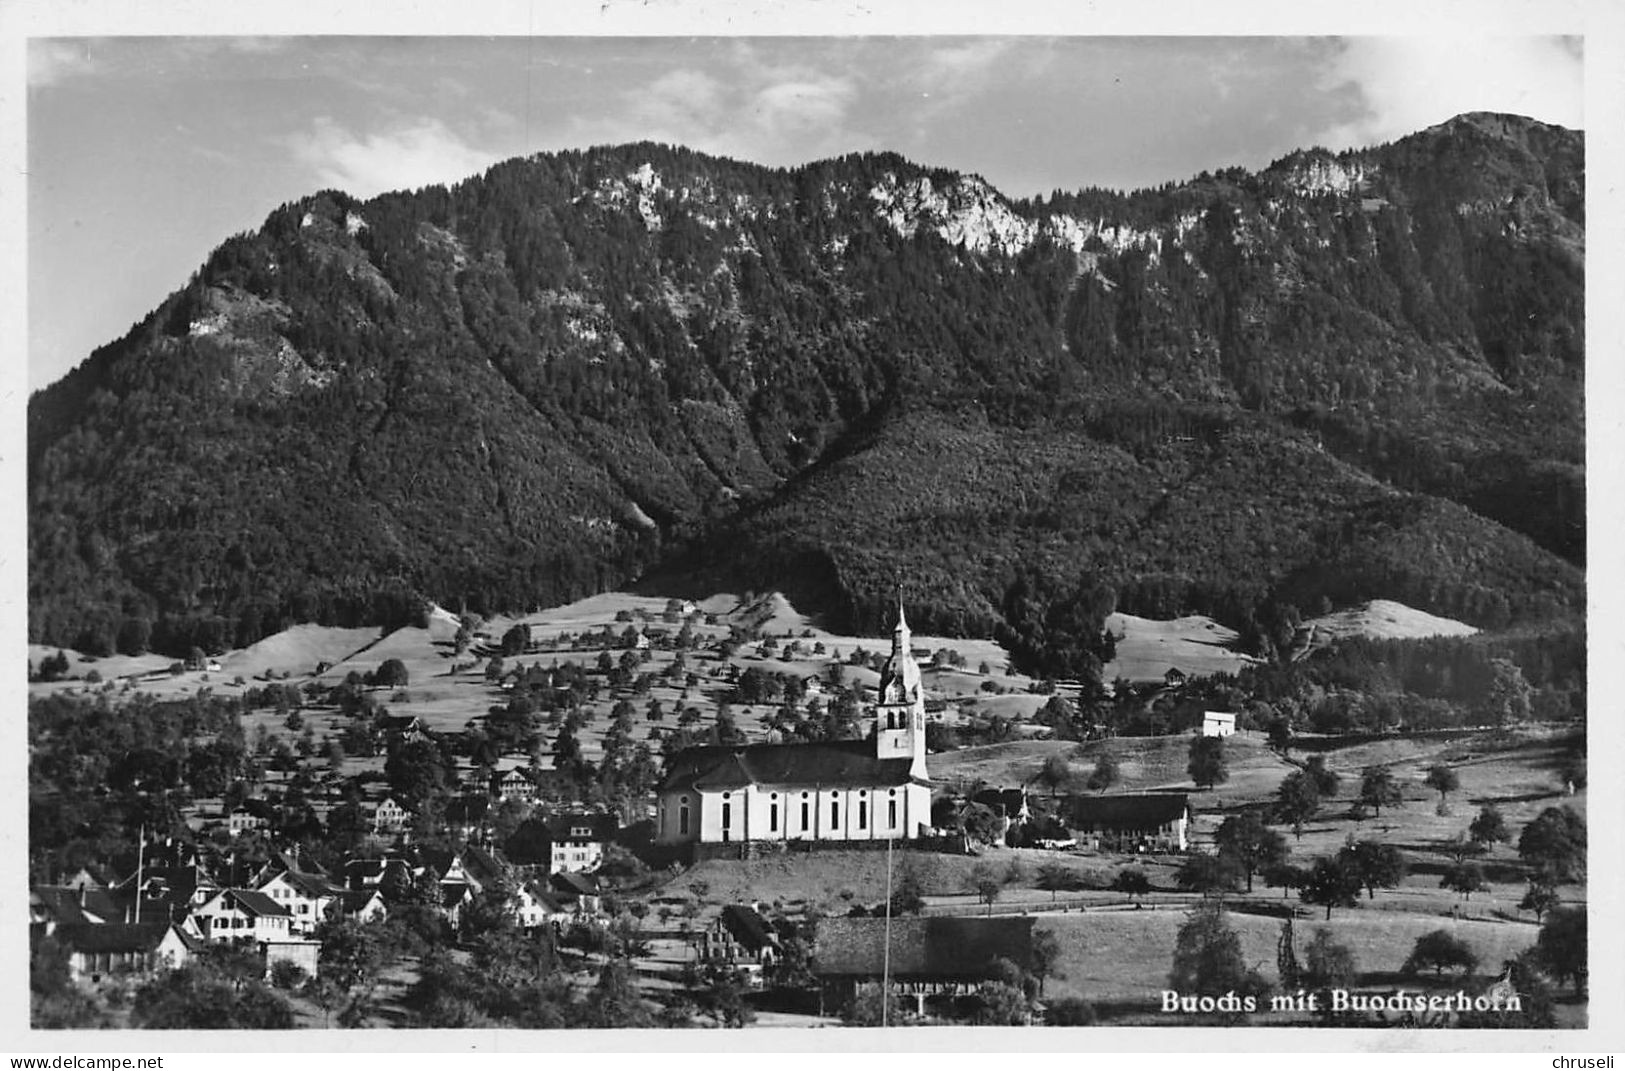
(842, 791)
(1148, 822)
(1217, 723)
(929, 956)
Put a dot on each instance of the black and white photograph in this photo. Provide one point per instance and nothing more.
(816, 522)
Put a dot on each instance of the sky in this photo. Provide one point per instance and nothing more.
(145, 153)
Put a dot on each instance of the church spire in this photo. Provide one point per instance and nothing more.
(900, 635)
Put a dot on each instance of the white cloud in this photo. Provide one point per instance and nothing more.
(1407, 84)
(407, 157)
(787, 108)
(945, 66)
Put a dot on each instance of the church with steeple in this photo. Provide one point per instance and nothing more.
(846, 790)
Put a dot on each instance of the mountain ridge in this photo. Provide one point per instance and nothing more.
(577, 367)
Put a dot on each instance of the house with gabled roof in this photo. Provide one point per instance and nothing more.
(924, 956)
(873, 789)
(514, 784)
(1143, 822)
(363, 905)
(243, 917)
(64, 906)
(309, 898)
(576, 840)
(390, 817)
(99, 951)
(741, 936)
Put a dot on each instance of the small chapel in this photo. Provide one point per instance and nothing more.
(874, 789)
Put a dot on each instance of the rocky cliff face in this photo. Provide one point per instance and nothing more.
(574, 368)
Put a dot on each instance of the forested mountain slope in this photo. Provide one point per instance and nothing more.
(1346, 376)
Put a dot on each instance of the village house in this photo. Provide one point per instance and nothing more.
(513, 784)
(363, 905)
(390, 817)
(846, 790)
(579, 892)
(1217, 723)
(741, 937)
(242, 820)
(65, 906)
(98, 951)
(243, 917)
(576, 841)
(309, 898)
(1149, 822)
(929, 957)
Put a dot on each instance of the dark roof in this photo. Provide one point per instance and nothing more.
(1125, 812)
(66, 906)
(574, 884)
(921, 947)
(483, 866)
(355, 900)
(602, 827)
(256, 903)
(307, 884)
(843, 762)
(748, 927)
(453, 893)
(113, 936)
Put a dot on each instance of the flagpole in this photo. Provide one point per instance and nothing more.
(140, 859)
(885, 969)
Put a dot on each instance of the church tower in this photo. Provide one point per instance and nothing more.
(900, 712)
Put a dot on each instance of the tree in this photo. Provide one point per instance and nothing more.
(1207, 956)
(218, 989)
(1055, 773)
(1249, 844)
(1440, 949)
(1106, 772)
(1280, 736)
(1443, 780)
(1562, 945)
(1375, 864)
(1297, 800)
(615, 1000)
(1464, 878)
(1554, 844)
(870, 1006)
(1285, 876)
(1056, 877)
(1070, 1011)
(1326, 781)
(1331, 883)
(998, 1004)
(1046, 956)
(1378, 789)
(1208, 874)
(1131, 881)
(986, 884)
(1540, 898)
(1207, 762)
(1508, 699)
(1329, 964)
(908, 896)
(391, 674)
(1489, 827)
